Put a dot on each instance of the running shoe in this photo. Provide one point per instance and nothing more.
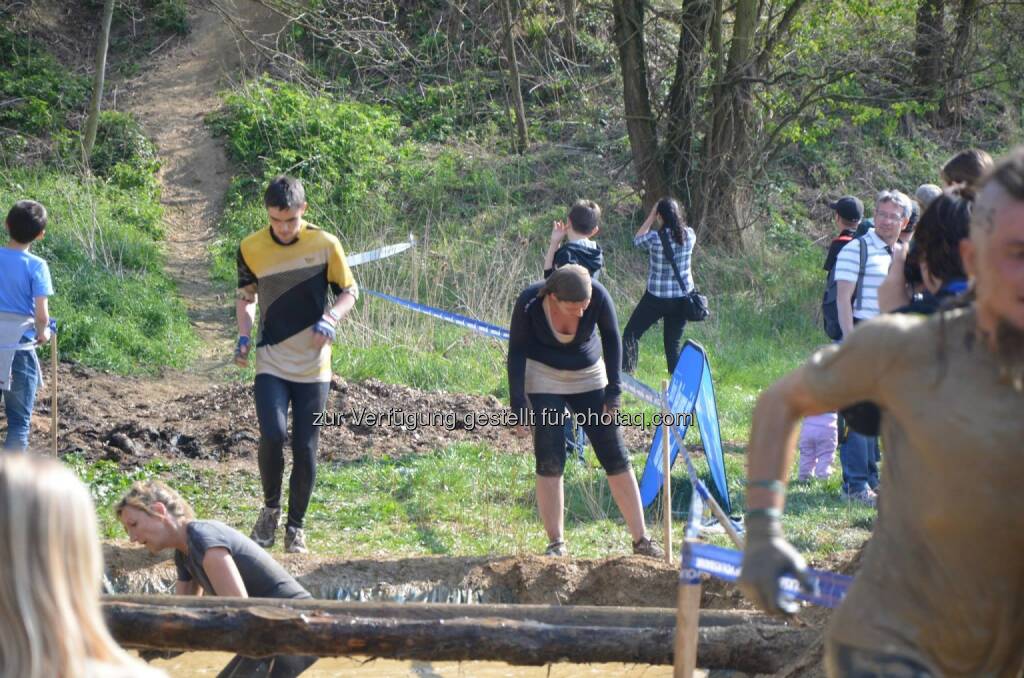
(266, 526)
(646, 547)
(556, 549)
(295, 540)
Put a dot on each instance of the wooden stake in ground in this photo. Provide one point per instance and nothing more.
(53, 393)
(687, 617)
(666, 470)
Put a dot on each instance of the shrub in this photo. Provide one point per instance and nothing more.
(343, 149)
(36, 91)
(119, 140)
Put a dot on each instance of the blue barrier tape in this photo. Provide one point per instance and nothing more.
(379, 253)
(725, 564)
(462, 321)
(629, 384)
(639, 390)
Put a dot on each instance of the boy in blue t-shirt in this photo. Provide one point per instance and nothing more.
(24, 318)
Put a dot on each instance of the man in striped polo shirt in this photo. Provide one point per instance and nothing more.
(859, 455)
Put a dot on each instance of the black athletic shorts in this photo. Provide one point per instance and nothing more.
(549, 417)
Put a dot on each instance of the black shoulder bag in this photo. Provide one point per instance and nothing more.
(695, 304)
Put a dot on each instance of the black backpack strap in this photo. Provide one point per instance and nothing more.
(666, 247)
(860, 275)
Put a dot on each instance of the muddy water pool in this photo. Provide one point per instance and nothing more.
(208, 664)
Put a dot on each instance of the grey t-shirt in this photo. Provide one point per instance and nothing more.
(262, 575)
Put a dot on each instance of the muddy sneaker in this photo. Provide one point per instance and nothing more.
(266, 526)
(865, 496)
(295, 540)
(556, 548)
(646, 547)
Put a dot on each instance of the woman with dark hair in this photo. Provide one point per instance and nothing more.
(664, 298)
(555, 361)
(966, 168)
(935, 254)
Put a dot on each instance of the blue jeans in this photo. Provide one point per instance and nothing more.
(859, 456)
(19, 401)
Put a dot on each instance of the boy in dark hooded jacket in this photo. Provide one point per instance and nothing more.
(582, 225)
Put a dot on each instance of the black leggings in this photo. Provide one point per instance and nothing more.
(278, 666)
(272, 397)
(650, 310)
(549, 431)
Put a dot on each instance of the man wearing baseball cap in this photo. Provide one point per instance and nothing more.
(849, 211)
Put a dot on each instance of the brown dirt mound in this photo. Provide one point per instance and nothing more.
(131, 420)
(622, 581)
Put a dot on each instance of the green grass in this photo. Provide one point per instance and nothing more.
(464, 500)
(116, 308)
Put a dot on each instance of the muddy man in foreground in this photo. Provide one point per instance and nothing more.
(940, 591)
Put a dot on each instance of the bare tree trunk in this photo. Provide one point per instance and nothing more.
(640, 123)
(953, 104)
(725, 200)
(569, 9)
(97, 84)
(682, 109)
(929, 48)
(516, 85)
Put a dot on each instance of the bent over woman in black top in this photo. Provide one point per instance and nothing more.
(555, 361)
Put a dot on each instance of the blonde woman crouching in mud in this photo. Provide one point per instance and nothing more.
(213, 558)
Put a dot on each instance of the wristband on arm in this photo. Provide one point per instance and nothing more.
(774, 486)
(324, 327)
(242, 351)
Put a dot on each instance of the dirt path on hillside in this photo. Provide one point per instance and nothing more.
(171, 100)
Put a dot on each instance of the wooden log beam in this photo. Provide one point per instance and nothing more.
(260, 628)
(563, 615)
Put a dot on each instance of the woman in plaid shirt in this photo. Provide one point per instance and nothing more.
(663, 298)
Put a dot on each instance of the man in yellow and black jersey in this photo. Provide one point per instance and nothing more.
(288, 269)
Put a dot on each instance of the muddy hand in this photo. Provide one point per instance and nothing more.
(766, 558)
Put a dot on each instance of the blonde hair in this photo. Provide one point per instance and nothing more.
(51, 573)
(144, 494)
